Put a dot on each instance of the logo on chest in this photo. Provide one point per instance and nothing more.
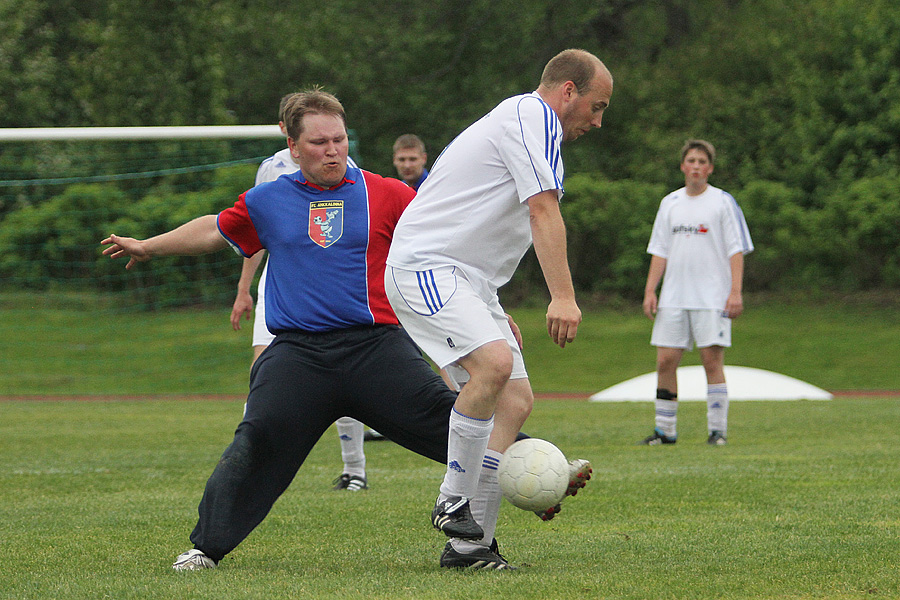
(326, 222)
(690, 230)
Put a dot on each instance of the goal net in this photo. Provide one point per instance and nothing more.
(77, 322)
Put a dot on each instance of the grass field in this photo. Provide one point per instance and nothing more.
(97, 498)
(53, 348)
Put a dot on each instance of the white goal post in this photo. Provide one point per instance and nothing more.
(32, 134)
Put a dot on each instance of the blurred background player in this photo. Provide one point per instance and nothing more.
(697, 245)
(410, 159)
(493, 192)
(351, 432)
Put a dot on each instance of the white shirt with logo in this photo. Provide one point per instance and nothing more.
(698, 235)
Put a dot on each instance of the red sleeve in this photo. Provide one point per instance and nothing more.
(388, 198)
(236, 227)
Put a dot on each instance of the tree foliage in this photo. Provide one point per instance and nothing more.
(802, 100)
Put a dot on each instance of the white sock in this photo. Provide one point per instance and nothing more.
(350, 432)
(717, 407)
(667, 416)
(466, 445)
(485, 505)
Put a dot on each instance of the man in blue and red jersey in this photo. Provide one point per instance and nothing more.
(338, 349)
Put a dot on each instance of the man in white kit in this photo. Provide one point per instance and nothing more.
(491, 193)
(351, 432)
(698, 244)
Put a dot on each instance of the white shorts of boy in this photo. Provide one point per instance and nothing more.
(447, 318)
(261, 334)
(682, 328)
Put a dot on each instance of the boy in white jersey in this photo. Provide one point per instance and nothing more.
(698, 242)
(350, 431)
(491, 193)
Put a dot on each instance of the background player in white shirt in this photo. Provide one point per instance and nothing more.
(697, 245)
(351, 432)
(491, 193)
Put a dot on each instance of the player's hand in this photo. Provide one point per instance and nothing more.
(515, 331)
(650, 305)
(734, 306)
(243, 306)
(563, 318)
(125, 246)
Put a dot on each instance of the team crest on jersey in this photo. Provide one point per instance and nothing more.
(326, 221)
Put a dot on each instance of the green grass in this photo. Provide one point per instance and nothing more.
(97, 498)
(60, 349)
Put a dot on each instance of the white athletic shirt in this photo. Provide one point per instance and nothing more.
(697, 235)
(282, 163)
(471, 212)
(278, 164)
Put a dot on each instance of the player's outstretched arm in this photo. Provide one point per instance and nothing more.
(549, 234)
(199, 236)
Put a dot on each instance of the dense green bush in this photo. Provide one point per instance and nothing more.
(848, 240)
(56, 244)
(57, 239)
(860, 229)
(608, 225)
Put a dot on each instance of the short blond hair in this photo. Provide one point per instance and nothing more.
(409, 141)
(703, 145)
(281, 104)
(312, 101)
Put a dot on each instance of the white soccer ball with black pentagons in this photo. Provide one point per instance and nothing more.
(534, 474)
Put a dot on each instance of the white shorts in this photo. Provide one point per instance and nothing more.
(443, 314)
(681, 328)
(261, 335)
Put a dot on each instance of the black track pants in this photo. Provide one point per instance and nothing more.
(299, 386)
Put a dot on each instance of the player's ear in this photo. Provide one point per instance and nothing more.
(293, 147)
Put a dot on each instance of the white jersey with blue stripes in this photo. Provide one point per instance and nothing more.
(472, 210)
(698, 235)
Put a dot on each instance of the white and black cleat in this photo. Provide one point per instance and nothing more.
(193, 560)
(454, 518)
(483, 559)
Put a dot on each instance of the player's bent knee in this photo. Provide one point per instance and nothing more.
(522, 410)
(517, 402)
(492, 364)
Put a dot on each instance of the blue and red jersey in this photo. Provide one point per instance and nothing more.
(327, 247)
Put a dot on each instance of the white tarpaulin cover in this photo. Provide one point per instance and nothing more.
(744, 383)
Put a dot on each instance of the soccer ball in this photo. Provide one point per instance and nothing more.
(534, 474)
